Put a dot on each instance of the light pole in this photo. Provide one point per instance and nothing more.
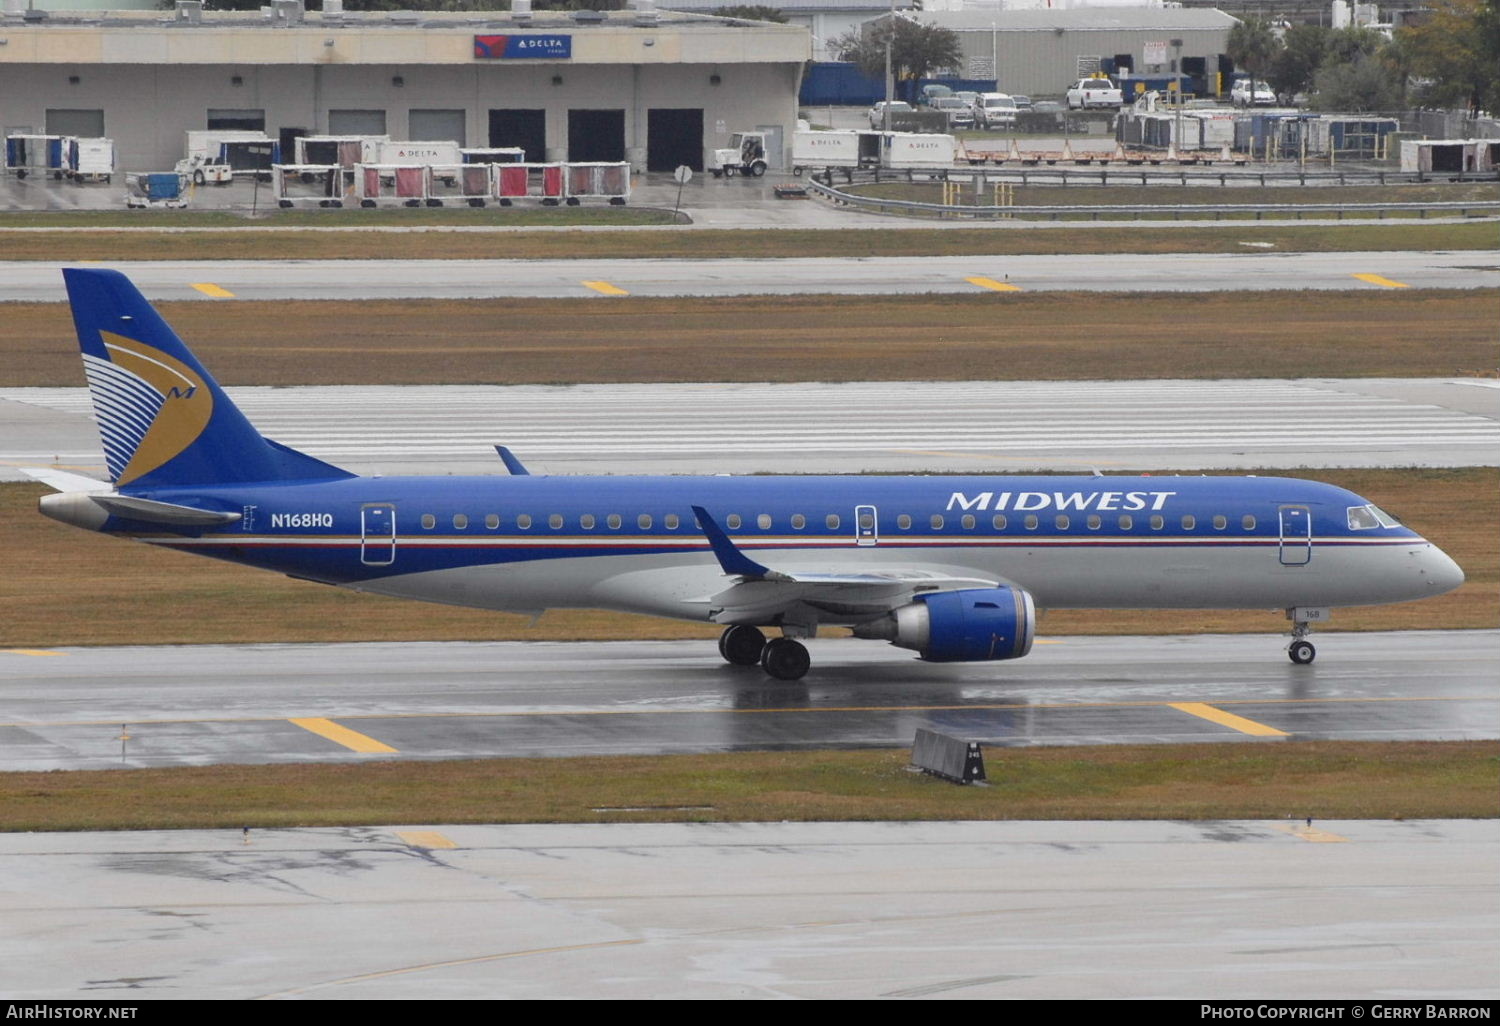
(890, 83)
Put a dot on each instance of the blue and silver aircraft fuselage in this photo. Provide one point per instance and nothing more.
(951, 567)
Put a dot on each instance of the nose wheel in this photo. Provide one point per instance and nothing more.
(1301, 651)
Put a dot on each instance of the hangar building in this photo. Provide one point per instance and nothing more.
(657, 88)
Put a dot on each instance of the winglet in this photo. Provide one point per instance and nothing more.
(730, 557)
(511, 463)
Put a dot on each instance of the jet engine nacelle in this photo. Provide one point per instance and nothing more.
(961, 626)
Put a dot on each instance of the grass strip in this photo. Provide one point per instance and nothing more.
(63, 586)
(983, 336)
(1244, 780)
(1010, 239)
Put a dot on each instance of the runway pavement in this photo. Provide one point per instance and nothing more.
(915, 427)
(1252, 270)
(101, 708)
(1259, 911)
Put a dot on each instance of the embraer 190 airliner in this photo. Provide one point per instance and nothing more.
(951, 567)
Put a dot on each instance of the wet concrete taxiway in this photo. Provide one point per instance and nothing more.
(198, 705)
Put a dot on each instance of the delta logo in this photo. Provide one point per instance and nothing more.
(510, 47)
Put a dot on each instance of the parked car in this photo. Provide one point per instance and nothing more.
(960, 114)
(1093, 92)
(995, 110)
(932, 91)
(877, 112)
(1022, 102)
(1249, 93)
(967, 95)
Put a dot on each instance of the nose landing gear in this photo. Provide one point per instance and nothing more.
(1301, 651)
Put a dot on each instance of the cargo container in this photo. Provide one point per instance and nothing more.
(850, 149)
(339, 150)
(91, 160)
(417, 152)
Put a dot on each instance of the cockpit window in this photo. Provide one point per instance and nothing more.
(1362, 518)
(1386, 520)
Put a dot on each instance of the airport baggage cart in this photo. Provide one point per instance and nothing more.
(91, 160)
(492, 155)
(607, 181)
(345, 151)
(530, 181)
(36, 155)
(402, 183)
(155, 189)
(321, 185)
(459, 184)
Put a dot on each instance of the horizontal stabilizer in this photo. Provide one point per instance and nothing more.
(62, 481)
(150, 510)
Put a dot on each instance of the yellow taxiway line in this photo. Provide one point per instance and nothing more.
(29, 651)
(429, 839)
(1375, 279)
(1225, 719)
(1308, 833)
(605, 288)
(991, 283)
(208, 288)
(351, 739)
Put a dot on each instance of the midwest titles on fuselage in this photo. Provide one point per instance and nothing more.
(1028, 502)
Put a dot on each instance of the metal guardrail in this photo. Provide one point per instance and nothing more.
(1175, 211)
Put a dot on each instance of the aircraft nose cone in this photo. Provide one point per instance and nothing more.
(1440, 571)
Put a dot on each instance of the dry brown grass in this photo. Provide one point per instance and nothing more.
(1036, 336)
(63, 586)
(1248, 780)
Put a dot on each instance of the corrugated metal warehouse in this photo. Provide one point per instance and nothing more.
(1042, 52)
(656, 88)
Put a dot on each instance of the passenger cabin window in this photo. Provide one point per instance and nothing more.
(968, 521)
(587, 521)
(643, 521)
(1189, 522)
(798, 523)
(1247, 522)
(733, 521)
(1126, 521)
(763, 521)
(460, 522)
(555, 521)
(492, 521)
(937, 521)
(904, 522)
(998, 521)
(1220, 521)
(523, 521)
(1094, 522)
(832, 520)
(613, 521)
(1157, 522)
(428, 521)
(1031, 522)
(672, 521)
(1062, 522)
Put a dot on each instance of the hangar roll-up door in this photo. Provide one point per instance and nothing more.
(596, 135)
(674, 136)
(86, 124)
(524, 128)
(437, 126)
(356, 122)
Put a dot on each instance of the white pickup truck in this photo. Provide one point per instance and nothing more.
(1093, 92)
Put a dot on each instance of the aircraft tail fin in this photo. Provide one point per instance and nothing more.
(163, 419)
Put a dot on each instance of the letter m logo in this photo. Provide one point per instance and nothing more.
(181, 393)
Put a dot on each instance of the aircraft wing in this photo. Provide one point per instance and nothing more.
(761, 594)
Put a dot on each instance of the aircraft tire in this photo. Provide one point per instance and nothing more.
(1301, 652)
(785, 659)
(741, 644)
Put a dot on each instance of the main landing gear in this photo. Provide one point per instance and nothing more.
(782, 658)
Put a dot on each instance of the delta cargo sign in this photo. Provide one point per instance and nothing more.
(508, 47)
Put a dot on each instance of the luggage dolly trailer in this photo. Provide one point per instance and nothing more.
(155, 189)
(323, 183)
(459, 184)
(529, 181)
(37, 154)
(606, 181)
(404, 182)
